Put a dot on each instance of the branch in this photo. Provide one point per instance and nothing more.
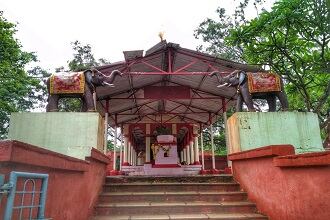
(323, 99)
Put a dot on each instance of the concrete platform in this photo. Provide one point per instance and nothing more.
(250, 130)
(68, 133)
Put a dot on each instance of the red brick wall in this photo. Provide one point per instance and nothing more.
(295, 187)
(73, 185)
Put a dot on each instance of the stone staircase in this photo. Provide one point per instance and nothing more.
(195, 197)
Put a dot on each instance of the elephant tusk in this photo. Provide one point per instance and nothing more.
(108, 84)
(222, 85)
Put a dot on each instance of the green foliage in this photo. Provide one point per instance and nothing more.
(293, 40)
(219, 138)
(20, 90)
(83, 59)
(213, 32)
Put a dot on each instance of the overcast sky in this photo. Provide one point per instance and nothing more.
(110, 27)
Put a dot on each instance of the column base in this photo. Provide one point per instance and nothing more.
(197, 163)
(121, 173)
(203, 172)
(215, 171)
(125, 164)
(227, 170)
(114, 172)
(147, 163)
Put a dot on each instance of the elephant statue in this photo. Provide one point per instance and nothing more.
(77, 85)
(259, 85)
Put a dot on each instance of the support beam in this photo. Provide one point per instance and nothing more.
(185, 158)
(188, 154)
(126, 144)
(106, 123)
(121, 148)
(202, 149)
(192, 152)
(114, 149)
(196, 150)
(147, 143)
(212, 145)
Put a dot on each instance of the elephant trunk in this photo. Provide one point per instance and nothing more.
(219, 78)
(108, 80)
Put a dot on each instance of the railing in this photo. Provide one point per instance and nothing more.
(25, 199)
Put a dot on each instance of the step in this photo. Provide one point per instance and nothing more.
(165, 208)
(180, 196)
(167, 179)
(236, 216)
(170, 187)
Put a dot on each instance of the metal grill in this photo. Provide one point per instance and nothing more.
(29, 201)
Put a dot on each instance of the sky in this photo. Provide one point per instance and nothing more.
(110, 27)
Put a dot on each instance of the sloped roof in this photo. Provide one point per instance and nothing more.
(167, 64)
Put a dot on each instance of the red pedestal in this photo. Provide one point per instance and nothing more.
(203, 172)
(215, 171)
(197, 163)
(114, 172)
(121, 173)
(228, 170)
(126, 164)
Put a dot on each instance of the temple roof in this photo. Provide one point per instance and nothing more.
(167, 84)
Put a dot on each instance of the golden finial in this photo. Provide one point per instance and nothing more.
(161, 35)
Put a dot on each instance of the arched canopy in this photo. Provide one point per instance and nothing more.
(167, 84)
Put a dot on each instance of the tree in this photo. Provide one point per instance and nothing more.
(214, 32)
(19, 90)
(83, 59)
(293, 40)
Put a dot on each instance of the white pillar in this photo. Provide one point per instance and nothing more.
(147, 143)
(188, 154)
(185, 155)
(181, 156)
(133, 157)
(105, 144)
(114, 149)
(202, 149)
(121, 149)
(212, 145)
(196, 150)
(192, 152)
(226, 136)
(129, 153)
(126, 143)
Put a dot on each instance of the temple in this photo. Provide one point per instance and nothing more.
(158, 104)
(165, 91)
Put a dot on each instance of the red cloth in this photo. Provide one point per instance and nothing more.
(263, 82)
(73, 82)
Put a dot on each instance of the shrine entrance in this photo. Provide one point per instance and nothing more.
(160, 106)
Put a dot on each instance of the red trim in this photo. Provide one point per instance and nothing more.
(215, 171)
(125, 164)
(267, 151)
(303, 160)
(197, 163)
(165, 166)
(114, 173)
